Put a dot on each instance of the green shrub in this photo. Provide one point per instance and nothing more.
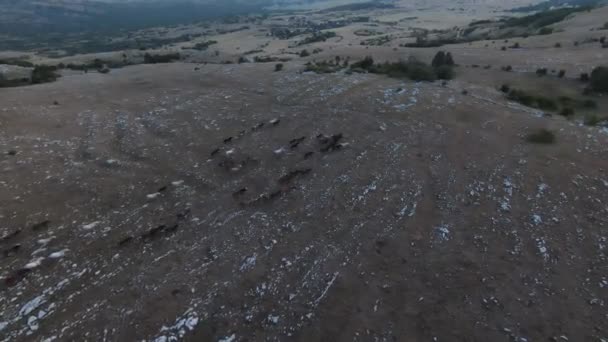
(278, 67)
(541, 136)
(599, 79)
(561, 73)
(304, 53)
(545, 30)
(584, 77)
(505, 88)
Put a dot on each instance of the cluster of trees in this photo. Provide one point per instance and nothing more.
(441, 68)
(155, 59)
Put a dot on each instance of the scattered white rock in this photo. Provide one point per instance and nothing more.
(443, 231)
(34, 263)
(58, 254)
(32, 323)
(230, 338)
(91, 225)
(273, 319)
(248, 263)
(153, 196)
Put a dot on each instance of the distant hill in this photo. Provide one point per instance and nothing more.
(19, 17)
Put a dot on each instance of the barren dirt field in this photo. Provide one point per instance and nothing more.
(235, 203)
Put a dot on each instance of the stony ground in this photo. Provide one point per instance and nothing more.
(234, 203)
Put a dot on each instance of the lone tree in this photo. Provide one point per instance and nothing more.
(439, 59)
(442, 59)
(599, 79)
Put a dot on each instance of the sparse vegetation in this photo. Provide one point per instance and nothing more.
(541, 136)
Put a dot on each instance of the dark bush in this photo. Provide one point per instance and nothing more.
(541, 71)
(584, 77)
(304, 53)
(507, 68)
(561, 73)
(441, 58)
(444, 72)
(366, 64)
(589, 104)
(558, 45)
(541, 136)
(599, 79)
(278, 67)
(529, 100)
(155, 59)
(566, 111)
(505, 88)
(43, 74)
